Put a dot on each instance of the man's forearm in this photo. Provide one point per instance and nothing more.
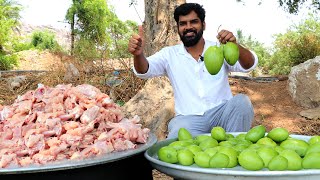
(246, 58)
(141, 64)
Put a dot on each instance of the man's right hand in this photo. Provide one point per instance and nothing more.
(136, 43)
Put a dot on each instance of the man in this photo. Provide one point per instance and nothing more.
(202, 101)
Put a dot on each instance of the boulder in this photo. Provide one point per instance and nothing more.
(16, 82)
(304, 83)
(311, 114)
(154, 104)
(72, 73)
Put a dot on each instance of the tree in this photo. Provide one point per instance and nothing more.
(96, 31)
(120, 32)
(88, 19)
(293, 6)
(160, 30)
(9, 18)
(299, 44)
(159, 26)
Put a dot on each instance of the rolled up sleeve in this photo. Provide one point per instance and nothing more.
(142, 76)
(157, 65)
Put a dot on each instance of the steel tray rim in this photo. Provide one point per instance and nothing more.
(72, 164)
(236, 172)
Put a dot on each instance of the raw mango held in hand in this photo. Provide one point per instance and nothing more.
(215, 55)
(231, 53)
(213, 59)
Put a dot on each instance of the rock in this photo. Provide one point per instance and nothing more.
(154, 104)
(304, 83)
(313, 114)
(282, 77)
(15, 85)
(90, 67)
(72, 73)
(242, 74)
(16, 82)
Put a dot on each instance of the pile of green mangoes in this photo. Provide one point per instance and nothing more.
(252, 150)
(214, 56)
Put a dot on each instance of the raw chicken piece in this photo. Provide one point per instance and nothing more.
(63, 123)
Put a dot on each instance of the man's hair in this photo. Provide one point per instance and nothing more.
(186, 8)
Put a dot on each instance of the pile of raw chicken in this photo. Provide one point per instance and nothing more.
(50, 124)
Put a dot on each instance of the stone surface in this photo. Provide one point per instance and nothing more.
(16, 81)
(313, 114)
(154, 104)
(304, 83)
(72, 73)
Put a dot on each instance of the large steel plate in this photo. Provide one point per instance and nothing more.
(72, 164)
(236, 173)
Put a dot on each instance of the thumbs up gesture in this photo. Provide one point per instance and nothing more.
(136, 43)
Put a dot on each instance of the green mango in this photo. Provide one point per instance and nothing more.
(278, 163)
(231, 53)
(208, 143)
(294, 160)
(255, 133)
(250, 160)
(184, 134)
(297, 145)
(311, 161)
(266, 154)
(213, 59)
(278, 134)
(168, 154)
(267, 141)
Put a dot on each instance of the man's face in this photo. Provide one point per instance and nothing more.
(190, 29)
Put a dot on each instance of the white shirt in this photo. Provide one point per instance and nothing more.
(195, 90)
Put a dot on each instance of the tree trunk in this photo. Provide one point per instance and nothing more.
(154, 104)
(159, 26)
(72, 34)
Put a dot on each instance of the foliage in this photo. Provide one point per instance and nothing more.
(9, 16)
(261, 51)
(120, 33)
(21, 45)
(299, 44)
(44, 40)
(96, 24)
(85, 49)
(293, 6)
(8, 61)
(91, 19)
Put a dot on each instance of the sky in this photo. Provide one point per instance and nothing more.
(261, 22)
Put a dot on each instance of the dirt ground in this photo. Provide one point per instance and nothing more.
(274, 107)
(272, 103)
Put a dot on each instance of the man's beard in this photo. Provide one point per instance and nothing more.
(191, 40)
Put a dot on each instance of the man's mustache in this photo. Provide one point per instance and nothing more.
(189, 30)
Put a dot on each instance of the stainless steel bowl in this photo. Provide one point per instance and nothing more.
(236, 173)
(74, 164)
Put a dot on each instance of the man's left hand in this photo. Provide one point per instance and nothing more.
(225, 36)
